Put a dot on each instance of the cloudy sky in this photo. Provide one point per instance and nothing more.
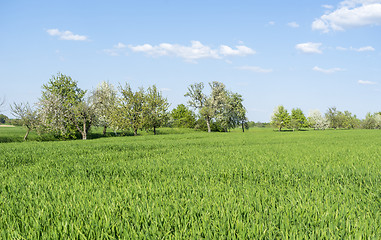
(306, 54)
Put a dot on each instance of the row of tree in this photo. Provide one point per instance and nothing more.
(333, 118)
(67, 111)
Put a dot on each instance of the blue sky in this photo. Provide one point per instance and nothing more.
(306, 54)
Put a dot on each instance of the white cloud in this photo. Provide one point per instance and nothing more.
(191, 53)
(326, 6)
(116, 50)
(66, 35)
(363, 49)
(240, 51)
(293, 24)
(341, 48)
(255, 69)
(366, 82)
(111, 52)
(350, 13)
(271, 23)
(327, 71)
(120, 45)
(309, 47)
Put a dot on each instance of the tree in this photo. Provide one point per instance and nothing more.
(84, 117)
(63, 109)
(232, 113)
(208, 106)
(3, 118)
(372, 121)
(156, 107)
(27, 116)
(298, 120)
(332, 115)
(280, 117)
(198, 100)
(103, 100)
(2, 103)
(347, 120)
(317, 121)
(130, 109)
(183, 117)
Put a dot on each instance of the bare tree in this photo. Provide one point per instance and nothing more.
(2, 103)
(27, 115)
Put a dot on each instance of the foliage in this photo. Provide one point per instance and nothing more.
(372, 121)
(103, 100)
(63, 109)
(298, 120)
(317, 121)
(338, 119)
(156, 107)
(232, 113)
(27, 116)
(3, 118)
(221, 105)
(259, 185)
(280, 117)
(130, 109)
(258, 124)
(183, 117)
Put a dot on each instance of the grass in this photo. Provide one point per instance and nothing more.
(257, 185)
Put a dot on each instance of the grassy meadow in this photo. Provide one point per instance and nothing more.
(260, 184)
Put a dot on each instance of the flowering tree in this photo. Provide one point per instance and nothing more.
(63, 108)
(156, 107)
(103, 100)
(317, 121)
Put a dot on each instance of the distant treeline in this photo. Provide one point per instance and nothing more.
(68, 112)
(333, 118)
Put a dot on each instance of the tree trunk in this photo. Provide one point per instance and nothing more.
(154, 130)
(104, 130)
(243, 127)
(84, 132)
(208, 124)
(26, 134)
(135, 131)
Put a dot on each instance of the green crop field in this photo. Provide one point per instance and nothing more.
(259, 184)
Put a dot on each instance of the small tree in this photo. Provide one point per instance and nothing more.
(27, 116)
(103, 100)
(317, 121)
(231, 112)
(156, 107)
(372, 121)
(130, 109)
(332, 115)
(3, 118)
(183, 117)
(198, 100)
(298, 120)
(280, 117)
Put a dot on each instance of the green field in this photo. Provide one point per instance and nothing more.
(259, 184)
